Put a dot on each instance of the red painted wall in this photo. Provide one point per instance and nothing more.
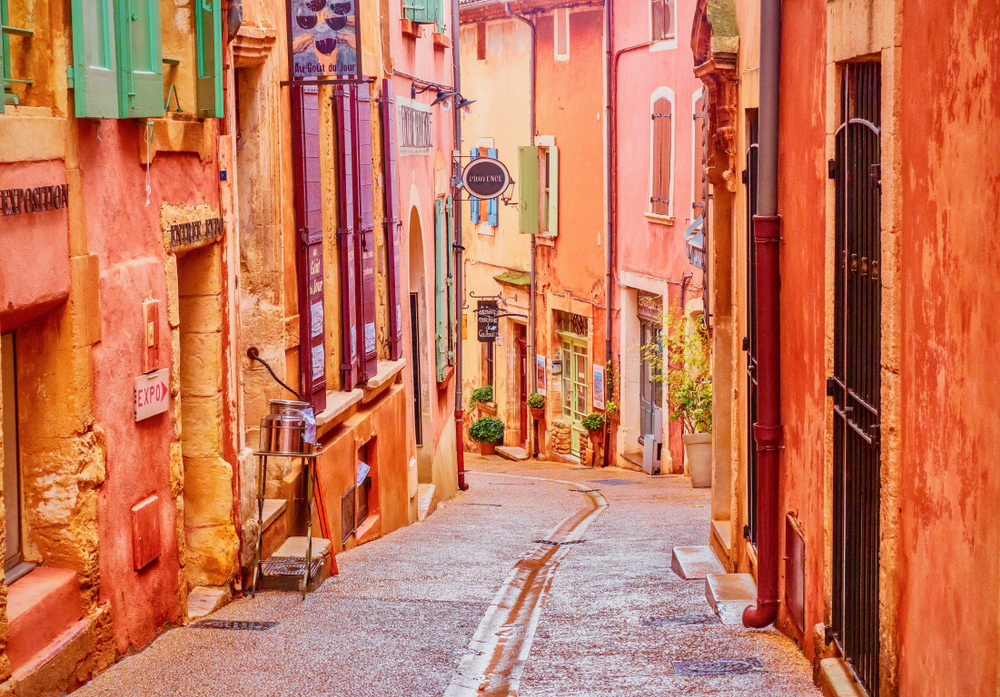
(950, 285)
(125, 235)
(801, 204)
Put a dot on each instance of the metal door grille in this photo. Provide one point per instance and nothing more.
(856, 382)
(751, 339)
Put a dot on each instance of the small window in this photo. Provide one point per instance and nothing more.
(560, 22)
(662, 157)
(481, 41)
(664, 20)
(16, 59)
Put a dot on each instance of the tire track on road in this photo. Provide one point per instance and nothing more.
(501, 644)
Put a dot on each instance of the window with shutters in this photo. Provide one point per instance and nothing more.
(425, 12)
(538, 188)
(661, 155)
(119, 69)
(16, 59)
(663, 20)
(560, 39)
(488, 211)
(441, 266)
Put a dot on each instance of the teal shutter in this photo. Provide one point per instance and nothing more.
(553, 191)
(95, 68)
(3, 56)
(452, 322)
(527, 194)
(493, 206)
(140, 63)
(209, 30)
(439, 15)
(440, 291)
(419, 11)
(473, 201)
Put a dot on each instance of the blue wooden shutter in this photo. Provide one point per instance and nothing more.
(473, 201)
(364, 189)
(494, 203)
(309, 226)
(440, 289)
(95, 66)
(140, 62)
(209, 30)
(392, 220)
(345, 105)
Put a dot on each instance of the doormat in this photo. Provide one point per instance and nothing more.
(667, 620)
(722, 666)
(251, 625)
(613, 482)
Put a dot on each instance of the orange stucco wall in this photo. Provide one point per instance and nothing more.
(950, 483)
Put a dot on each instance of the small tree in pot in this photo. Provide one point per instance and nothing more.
(536, 405)
(487, 431)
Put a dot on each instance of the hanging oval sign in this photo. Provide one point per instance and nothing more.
(485, 178)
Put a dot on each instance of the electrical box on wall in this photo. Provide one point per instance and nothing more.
(145, 532)
(151, 335)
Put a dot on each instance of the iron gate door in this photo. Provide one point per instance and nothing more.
(750, 342)
(856, 382)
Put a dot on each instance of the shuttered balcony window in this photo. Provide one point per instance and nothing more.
(664, 20)
(663, 135)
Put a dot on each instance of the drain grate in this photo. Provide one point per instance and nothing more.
(550, 542)
(721, 666)
(667, 620)
(586, 491)
(613, 482)
(251, 625)
(291, 566)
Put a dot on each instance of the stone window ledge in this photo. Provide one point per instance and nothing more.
(836, 678)
(660, 219)
(384, 376)
(339, 406)
(545, 239)
(31, 134)
(178, 133)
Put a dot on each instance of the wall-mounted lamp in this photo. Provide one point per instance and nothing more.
(463, 102)
(414, 91)
(442, 95)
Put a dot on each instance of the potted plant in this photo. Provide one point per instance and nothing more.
(487, 431)
(612, 411)
(536, 405)
(687, 379)
(594, 424)
(483, 396)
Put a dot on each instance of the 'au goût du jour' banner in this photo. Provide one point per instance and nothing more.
(324, 39)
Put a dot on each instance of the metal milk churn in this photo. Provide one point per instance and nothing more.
(284, 429)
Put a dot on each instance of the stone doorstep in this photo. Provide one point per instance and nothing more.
(692, 563)
(296, 547)
(515, 453)
(276, 518)
(836, 679)
(204, 600)
(426, 501)
(40, 607)
(50, 666)
(729, 595)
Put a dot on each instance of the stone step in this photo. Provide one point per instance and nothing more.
(510, 452)
(730, 594)
(426, 503)
(283, 571)
(41, 606)
(692, 563)
(204, 600)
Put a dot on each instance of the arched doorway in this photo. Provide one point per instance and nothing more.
(418, 356)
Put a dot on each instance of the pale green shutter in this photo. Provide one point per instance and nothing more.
(3, 51)
(440, 289)
(95, 68)
(209, 30)
(527, 188)
(553, 191)
(452, 323)
(439, 15)
(140, 62)
(419, 11)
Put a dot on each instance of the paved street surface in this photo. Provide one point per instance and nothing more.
(410, 614)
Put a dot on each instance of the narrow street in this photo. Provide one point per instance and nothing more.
(402, 616)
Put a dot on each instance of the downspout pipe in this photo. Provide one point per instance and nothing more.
(457, 247)
(534, 267)
(610, 63)
(767, 236)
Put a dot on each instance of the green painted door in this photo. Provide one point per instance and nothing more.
(575, 358)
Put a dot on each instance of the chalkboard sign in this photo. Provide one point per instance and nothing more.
(487, 316)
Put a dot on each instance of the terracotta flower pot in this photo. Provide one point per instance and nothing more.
(698, 451)
(487, 448)
(537, 412)
(596, 437)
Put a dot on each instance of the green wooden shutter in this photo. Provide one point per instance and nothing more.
(440, 289)
(439, 16)
(3, 51)
(95, 67)
(140, 62)
(209, 30)
(419, 11)
(527, 188)
(452, 321)
(553, 191)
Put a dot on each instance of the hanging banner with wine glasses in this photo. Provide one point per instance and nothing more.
(324, 40)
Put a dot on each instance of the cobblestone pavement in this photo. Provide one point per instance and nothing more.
(400, 617)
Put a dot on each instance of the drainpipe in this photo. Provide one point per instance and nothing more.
(534, 267)
(457, 248)
(767, 236)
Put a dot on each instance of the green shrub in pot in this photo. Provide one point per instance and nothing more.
(481, 394)
(486, 429)
(535, 401)
(593, 422)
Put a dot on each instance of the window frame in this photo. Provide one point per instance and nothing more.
(667, 42)
(565, 13)
(658, 94)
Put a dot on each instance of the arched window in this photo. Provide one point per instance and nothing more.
(659, 197)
